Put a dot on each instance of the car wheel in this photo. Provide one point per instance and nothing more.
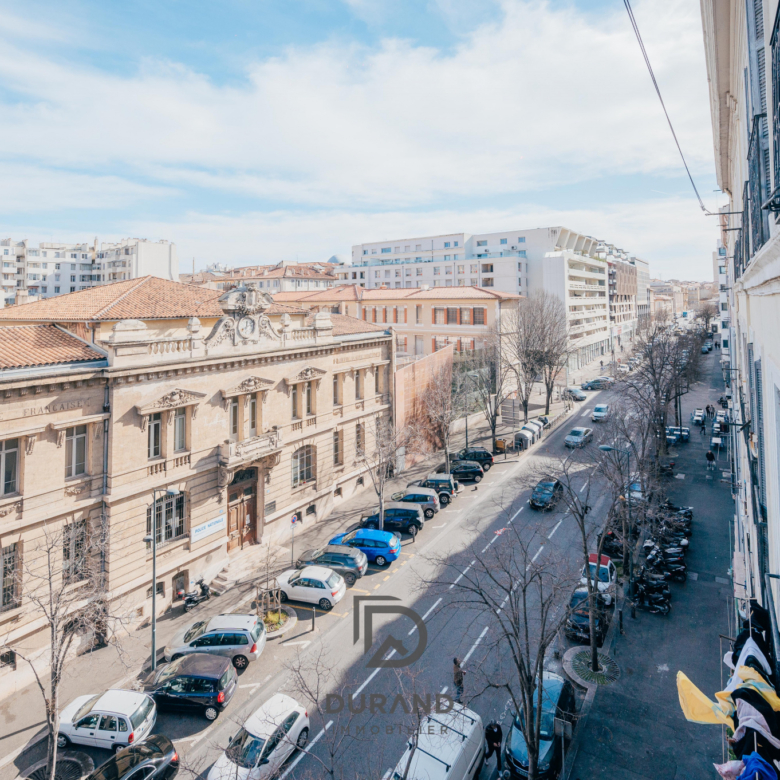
(486, 467)
(303, 738)
(325, 605)
(412, 531)
(380, 560)
(371, 525)
(444, 499)
(429, 514)
(282, 596)
(211, 713)
(175, 657)
(240, 662)
(117, 748)
(478, 478)
(350, 579)
(62, 741)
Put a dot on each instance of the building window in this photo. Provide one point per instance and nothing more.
(487, 281)
(452, 316)
(419, 272)
(438, 316)
(309, 399)
(465, 316)
(169, 519)
(336, 391)
(446, 244)
(10, 456)
(56, 289)
(253, 416)
(503, 241)
(74, 552)
(461, 269)
(437, 271)
(385, 250)
(180, 430)
(358, 385)
(447, 269)
(479, 316)
(487, 268)
(11, 575)
(454, 243)
(418, 314)
(303, 466)
(155, 431)
(377, 380)
(359, 438)
(338, 455)
(481, 243)
(473, 268)
(76, 450)
(521, 239)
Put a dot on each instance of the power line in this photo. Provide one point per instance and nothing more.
(634, 24)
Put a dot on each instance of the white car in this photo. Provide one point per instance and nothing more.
(600, 413)
(111, 720)
(313, 584)
(606, 577)
(265, 741)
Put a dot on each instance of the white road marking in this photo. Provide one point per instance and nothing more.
(533, 560)
(444, 689)
(372, 675)
(439, 526)
(188, 739)
(425, 616)
(474, 646)
(291, 644)
(308, 749)
(516, 514)
(554, 529)
(585, 413)
(583, 487)
(458, 578)
(251, 685)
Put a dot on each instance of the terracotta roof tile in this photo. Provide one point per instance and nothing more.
(26, 346)
(343, 325)
(351, 292)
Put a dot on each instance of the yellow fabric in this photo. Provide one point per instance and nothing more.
(752, 679)
(697, 707)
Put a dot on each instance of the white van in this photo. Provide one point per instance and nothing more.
(450, 746)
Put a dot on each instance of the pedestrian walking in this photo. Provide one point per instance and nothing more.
(703, 429)
(710, 460)
(494, 736)
(601, 363)
(457, 678)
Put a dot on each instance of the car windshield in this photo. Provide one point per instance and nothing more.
(577, 599)
(245, 749)
(577, 432)
(601, 408)
(140, 715)
(545, 487)
(333, 580)
(395, 541)
(349, 537)
(195, 630)
(603, 573)
(257, 630)
(85, 708)
(547, 726)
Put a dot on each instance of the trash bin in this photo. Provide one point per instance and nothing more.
(501, 445)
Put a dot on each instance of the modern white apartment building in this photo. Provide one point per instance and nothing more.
(556, 259)
(54, 268)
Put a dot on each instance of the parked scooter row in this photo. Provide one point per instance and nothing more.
(192, 598)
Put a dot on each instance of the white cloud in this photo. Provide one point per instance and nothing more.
(544, 97)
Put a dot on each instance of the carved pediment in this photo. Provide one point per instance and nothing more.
(307, 374)
(246, 299)
(172, 400)
(252, 384)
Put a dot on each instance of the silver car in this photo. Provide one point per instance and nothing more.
(239, 637)
(579, 437)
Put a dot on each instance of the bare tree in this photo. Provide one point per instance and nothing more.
(523, 353)
(553, 336)
(523, 600)
(706, 313)
(59, 576)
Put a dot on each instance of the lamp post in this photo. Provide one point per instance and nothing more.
(627, 453)
(153, 539)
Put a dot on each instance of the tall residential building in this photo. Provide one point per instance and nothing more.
(556, 259)
(54, 268)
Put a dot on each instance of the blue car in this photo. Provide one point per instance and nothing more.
(380, 547)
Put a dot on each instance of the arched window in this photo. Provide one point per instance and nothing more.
(303, 466)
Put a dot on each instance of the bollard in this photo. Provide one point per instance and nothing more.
(633, 610)
(620, 620)
(313, 616)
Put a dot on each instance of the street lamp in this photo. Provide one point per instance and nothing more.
(152, 539)
(627, 453)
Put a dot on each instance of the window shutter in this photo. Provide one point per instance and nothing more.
(759, 427)
(405, 315)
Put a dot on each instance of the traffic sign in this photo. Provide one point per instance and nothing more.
(294, 519)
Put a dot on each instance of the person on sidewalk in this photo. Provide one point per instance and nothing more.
(457, 679)
(703, 429)
(494, 736)
(710, 460)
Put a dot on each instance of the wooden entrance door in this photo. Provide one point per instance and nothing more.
(242, 513)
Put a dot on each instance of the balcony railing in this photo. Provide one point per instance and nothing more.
(233, 453)
(758, 184)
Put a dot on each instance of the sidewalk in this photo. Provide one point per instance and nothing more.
(636, 729)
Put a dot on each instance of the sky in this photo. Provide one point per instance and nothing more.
(253, 131)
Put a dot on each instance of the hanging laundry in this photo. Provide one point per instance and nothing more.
(698, 708)
(756, 768)
(749, 717)
(731, 770)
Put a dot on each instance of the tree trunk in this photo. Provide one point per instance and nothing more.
(548, 400)
(53, 722)
(594, 648)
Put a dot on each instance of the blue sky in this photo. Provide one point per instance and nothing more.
(251, 132)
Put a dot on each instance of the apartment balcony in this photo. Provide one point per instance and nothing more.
(586, 286)
(235, 454)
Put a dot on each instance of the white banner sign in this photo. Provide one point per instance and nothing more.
(215, 526)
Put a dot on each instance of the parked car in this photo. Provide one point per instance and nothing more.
(478, 454)
(268, 737)
(197, 682)
(546, 494)
(579, 437)
(449, 745)
(153, 759)
(380, 547)
(594, 384)
(606, 576)
(241, 638)
(111, 720)
(623, 369)
(401, 517)
(557, 702)
(575, 394)
(600, 413)
(350, 563)
(427, 498)
(314, 585)
(445, 485)
(463, 470)
(578, 622)
(704, 349)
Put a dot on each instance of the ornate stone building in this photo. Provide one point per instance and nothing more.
(233, 412)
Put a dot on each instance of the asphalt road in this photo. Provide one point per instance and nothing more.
(326, 660)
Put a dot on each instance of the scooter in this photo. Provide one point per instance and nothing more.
(684, 511)
(666, 469)
(649, 603)
(668, 553)
(192, 598)
(670, 538)
(676, 572)
(659, 587)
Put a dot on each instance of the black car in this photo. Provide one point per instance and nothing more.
(546, 494)
(196, 682)
(463, 470)
(347, 561)
(578, 622)
(479, 455)
(154, 759)
(407, 518)
(444, 484)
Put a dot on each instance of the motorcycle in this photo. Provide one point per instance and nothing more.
(668, 552)
(666, 469)
(649, 603)
(192, 598)
(672, 571)
(683, 511)
(659, 587)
